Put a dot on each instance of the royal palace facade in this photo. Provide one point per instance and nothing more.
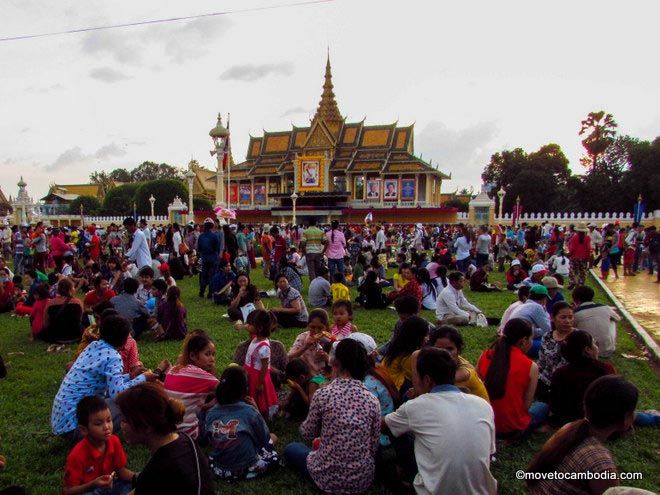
(337, 170)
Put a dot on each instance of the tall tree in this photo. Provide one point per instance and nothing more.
(164, 190)
(153, 171)
(90, 205)
(119, 200)
(599, 129)
(120, 175)
(101, 178)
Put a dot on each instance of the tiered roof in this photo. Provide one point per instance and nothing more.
(352, 147)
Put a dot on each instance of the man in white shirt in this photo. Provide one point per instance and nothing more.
(452, 308)
(381, 239)
(139, 251)
(599, 320)
(144, 226)
(454, 432)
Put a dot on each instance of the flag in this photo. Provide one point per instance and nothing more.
(639, 210)
(369, 218)
(517, 212)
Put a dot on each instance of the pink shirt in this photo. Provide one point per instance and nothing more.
(335, 250)
(341, 332)
(130, 355)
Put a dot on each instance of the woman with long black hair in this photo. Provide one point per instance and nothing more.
(511, 379)
(335, 249)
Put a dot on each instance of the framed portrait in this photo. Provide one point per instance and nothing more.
(245, 193)
(233, 193)
(373, 189)
(310, 173)
(260, 193)
(408, 189)
(390, 189)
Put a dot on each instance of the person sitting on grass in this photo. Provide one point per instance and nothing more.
(243, 292)
(454, 433)
(171, 316)
(569, 382)
(308, 345)
(97, 371)
(523, 295)
(319, 289)
(511, 378)
(100, 293)
(550, 355)
(429, 289)
(479, 280)
(38, 312)
(449, 338)
(578, 447)
(533, 312)
(303, 384)
(291, 272)
(371, 292)
(342, 315)
(127, 305)
(146, 275)
(452, 307)
(97, 464)
(553, 285)
(192, 380)
(221, 283)
(338, 290)
(599, 320)
(345, 417)
(292, 312)
(242, 446)
(397, 359)
(411, 288)
(177, 464)
(158, 292)
(63, 316)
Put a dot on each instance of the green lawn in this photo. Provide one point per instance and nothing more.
(35, 457)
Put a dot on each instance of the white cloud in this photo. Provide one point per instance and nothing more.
(463, 152)
(252, 72)
(296, 111)
(109, 151)
(72, 156)
(108, 75)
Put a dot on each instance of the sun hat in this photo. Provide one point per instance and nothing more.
(539, 290)
(581, 228)
(551, 283)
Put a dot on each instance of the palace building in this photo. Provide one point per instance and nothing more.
(337, 170)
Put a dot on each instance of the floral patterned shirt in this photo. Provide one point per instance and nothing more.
(347, 418)
(550, 358)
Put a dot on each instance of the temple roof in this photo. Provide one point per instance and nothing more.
(352, 147)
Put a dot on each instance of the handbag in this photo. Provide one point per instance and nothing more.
(183, 248)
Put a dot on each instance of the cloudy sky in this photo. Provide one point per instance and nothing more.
(475, 78)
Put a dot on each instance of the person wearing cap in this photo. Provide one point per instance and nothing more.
(579, 249)
(208, 247)
(533, 311)
(554, 292)
(536, 274)
(515, 275)
(452, 308)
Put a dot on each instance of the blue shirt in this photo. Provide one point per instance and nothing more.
(208, 246)
(97, 371)
(237, 433)
(535, 314)
(376, 387)
(220, 279)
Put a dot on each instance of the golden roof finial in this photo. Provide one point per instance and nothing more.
(328, 109)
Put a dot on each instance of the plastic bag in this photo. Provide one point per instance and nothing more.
(481, 320)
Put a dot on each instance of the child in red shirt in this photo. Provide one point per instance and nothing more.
(98, 462)
(628, 261)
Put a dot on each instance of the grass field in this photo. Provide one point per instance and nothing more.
(35, 457)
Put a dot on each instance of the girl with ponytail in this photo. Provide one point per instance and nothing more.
(609, 405)
(511, 378)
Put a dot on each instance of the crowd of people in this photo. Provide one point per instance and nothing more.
(416, 394)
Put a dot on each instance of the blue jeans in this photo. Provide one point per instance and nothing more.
(646, 419)
(482, 259)
(296, 457)
(19, 267)
(335, 266)
(533, 352)
(538, 411)
(462, 265)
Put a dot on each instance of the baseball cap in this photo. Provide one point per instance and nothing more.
(515, 263)
(538, 268)
(539, 290)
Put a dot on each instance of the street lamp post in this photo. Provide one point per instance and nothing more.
(294, 198)
(219, 135)
(500, 194)
(517, 211)
(152, 200)
(190, 175)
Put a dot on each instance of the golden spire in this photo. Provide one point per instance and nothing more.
(328, 110)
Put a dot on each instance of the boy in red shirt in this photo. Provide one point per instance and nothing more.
(97, 464)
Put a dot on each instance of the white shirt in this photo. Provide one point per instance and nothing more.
(380, 239)
(483, 244)
(147, 235)
(454, 439)
(561, 265)
(139, 250)
(452, 302)
(462, 245)
(176, 241)
(598, 320)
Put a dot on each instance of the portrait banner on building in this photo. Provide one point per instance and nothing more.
(373, 189)
(310, 173)
(408, 189)
(391, 189)
(260, 193)
(233, 193)
(245, 193)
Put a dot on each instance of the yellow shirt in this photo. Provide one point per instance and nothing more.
(340, 292)
(473, 384)
(399, 281)
(399, 370)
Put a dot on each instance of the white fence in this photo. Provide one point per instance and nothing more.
(102, 221)
(571, 217)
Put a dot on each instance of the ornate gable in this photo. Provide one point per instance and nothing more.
(319, 137)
